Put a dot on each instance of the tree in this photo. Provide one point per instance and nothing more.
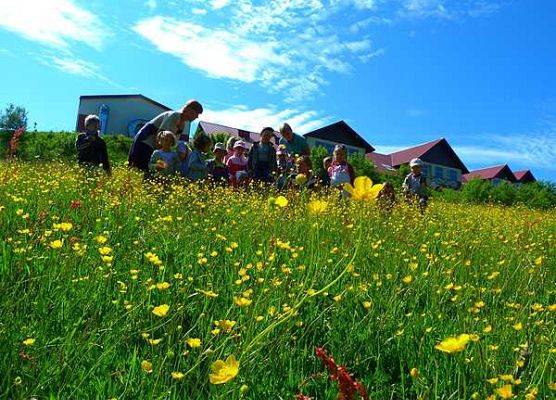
(13, 118)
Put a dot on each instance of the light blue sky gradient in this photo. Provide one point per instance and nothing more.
(401, 72)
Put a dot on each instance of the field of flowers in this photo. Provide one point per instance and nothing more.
(112, 288)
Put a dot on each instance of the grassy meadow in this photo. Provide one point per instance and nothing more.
(112, 288)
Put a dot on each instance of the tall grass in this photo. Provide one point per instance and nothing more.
(377, 290)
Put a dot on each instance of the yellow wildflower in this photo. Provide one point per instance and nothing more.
(363, 189)
(193, 342)
(505, 392)
(146, 366)
(453, 344)
(161, 310)
(224, 371)
(29, 342)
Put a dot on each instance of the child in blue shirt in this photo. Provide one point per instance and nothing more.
(165, 161)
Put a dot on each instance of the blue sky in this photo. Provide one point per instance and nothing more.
(401, 72)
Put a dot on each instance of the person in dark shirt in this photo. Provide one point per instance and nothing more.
(91, 148)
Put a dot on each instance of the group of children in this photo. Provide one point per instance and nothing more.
(236, 164)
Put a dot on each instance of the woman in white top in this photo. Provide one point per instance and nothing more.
(177, 122)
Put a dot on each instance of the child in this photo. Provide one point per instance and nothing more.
(216, 167)
(324, 177)
(91, 148)
(283, 163)
(164, 161)
(415, 184)
(304, 178)
(387, 197)
(237, 164)
(230, 147)
(262, 157)
(196, 167)
(340, 171)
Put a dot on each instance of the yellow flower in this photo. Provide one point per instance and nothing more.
(29, 342)
(56, 244)
(281, 201)
(161, 310)
(224, 371)
(154, 342)
(177, 375)
(317, 207)
(162, 285)
(146, 366)
(518, 326)
(505, 392)
(104, 251)
(414, 373)
(453, 344)
(225, 324)
(101, 239)
(64, 226)
(107, 259)
(363, 189)
(242, 301)
(487, 329)
(367, 304)
(193, 342)
(300, 179)
(407, 279)
(208, 293)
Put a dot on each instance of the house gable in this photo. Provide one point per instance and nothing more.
(525, 176)
(342, 133)
(443, 154)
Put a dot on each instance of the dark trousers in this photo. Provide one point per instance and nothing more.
(262, 172)
(140, 153)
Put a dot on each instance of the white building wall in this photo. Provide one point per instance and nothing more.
(123, 111)
(329, 145)
(444, 178)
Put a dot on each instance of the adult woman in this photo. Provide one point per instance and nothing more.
(177, 122)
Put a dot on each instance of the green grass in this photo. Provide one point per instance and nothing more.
(88, 317)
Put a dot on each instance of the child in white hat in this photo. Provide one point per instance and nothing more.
(415, 184)
(237, 164)
(218, 171)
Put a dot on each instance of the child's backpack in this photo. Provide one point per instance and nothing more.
(339, 175)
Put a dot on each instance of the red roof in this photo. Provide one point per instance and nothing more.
(406, 155)
(524, 176)
(381, 161)
(438, 151)
(249, 137)
(490, 173)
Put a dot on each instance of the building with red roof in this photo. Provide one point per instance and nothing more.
(525, 176)
(495, 174)
(441, 164)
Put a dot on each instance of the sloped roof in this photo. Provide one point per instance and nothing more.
(437, 151)
(525, 176)
(211, 128)
(341, 132)
(125, 96)
(406, 155)
(381, 161)
(497, 171)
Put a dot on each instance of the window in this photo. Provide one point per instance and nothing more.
(426, 169)
(438, 173)
(453, 175)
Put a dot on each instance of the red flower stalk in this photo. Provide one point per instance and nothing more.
(75, 204)
(14, 141)
(347, 385)
(301, 396)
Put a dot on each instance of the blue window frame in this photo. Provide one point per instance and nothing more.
(426, 169)
(438, 173)
(453, 175)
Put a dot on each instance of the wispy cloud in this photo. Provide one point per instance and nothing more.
(287, 46)
(56, 23)
(74, 66)
(448, 9)
(254, 119)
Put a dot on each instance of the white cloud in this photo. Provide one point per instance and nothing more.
(220, 53)
(56, 23)
(198, 11)
(74, 66)
(254, 119)
(285, 46)
(218, 4)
